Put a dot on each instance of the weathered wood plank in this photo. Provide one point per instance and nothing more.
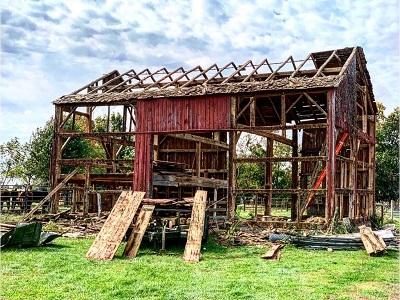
(111, 234)
(273, 253)
(196, 228)
(29, 215)
(373, 243)
(135, 239)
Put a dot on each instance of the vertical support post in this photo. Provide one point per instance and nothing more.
(57, 155)
(198, 158)
(331, 163)
(108, 118)
(231, 205)
(86, 191)
(155, 147)
(253, 111)
(283, 114)
(215, 204)
(371, 168)
(268, 177)
(295, 175)
(74, 196)
(89, 124)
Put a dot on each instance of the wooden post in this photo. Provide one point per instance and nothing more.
(231, 162)
(86, 191)
(198, 158)
(57, 155)
(268, 177)
(283, 114)
(331, 166)
(253, 111)
(295, 175)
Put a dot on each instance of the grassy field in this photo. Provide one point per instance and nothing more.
(60, 271)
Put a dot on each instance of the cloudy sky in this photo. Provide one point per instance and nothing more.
(50, 48)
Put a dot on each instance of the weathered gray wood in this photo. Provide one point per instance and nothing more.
(113, 231)
(373, 243)
(273, 253)
(135, 239)
(196, 228)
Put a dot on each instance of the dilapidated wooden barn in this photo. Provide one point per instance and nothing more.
(184, 126)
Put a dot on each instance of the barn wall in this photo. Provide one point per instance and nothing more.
(183, 114)
(166, 115)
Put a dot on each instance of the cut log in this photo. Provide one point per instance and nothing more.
(196, 228)
(114, 229)
(135, 239)
(373, 243)
(273, 253)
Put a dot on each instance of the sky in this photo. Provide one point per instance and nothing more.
(50, 48)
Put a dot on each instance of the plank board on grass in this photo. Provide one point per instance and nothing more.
(135, 239)
(196, 228)
(114, 229)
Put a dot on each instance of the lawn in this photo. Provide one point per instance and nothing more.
(60, 271)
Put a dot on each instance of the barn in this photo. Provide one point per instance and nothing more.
(183, 126)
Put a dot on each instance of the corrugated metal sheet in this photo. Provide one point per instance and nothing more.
(183, 114)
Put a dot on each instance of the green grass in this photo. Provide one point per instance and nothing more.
(60, 271)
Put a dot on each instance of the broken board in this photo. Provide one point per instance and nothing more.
(373, 243)
(196, 228)
(113, 231)
(273, 253)
(135, 239)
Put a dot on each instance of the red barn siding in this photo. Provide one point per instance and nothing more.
(173, 115)
(183, 114)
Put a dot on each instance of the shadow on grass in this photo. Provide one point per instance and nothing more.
(36, 249)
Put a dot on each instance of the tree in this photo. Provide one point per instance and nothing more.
(12, 155)
(252, 175)
(387, 157)
(40, 151)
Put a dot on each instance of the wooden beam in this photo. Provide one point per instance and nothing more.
(315, 103)
(283, 113)
(135, 239)
(29, 215)
(324, 64)
(196, 138)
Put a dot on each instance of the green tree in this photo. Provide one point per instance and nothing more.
(252, 175)
(387, 157)
(12, 156)
(40, 146)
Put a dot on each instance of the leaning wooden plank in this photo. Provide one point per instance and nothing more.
(135, 239)
(373, 243)
(196, 228)
(273, 253)
(111, 234)
(29, 215)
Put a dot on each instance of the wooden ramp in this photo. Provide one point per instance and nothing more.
(196, 228)
(111, 234)
(135, 239)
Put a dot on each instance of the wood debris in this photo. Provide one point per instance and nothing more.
(273, 253)
(111, 234)
(373, 243)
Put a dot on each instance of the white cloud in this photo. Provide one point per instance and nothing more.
(50, 48)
